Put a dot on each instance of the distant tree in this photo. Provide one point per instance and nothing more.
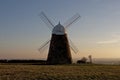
(83, 60)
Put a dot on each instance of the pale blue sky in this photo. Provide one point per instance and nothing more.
(96, 33)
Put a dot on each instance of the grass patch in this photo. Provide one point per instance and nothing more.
(59, 72)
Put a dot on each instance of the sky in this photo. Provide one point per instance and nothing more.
(96, 33)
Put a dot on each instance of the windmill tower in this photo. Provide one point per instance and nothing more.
(59, 50)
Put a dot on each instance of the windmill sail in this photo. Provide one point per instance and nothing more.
(46, 20)
(44, 45)
(71, 20)
(73, 47)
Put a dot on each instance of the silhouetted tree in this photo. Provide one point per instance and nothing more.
(83, 60)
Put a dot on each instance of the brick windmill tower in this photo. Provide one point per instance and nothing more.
(59, 49)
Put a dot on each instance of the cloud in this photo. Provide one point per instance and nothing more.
(108, 41)
(115, 39)
(116, 35)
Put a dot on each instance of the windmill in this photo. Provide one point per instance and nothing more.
(59, 49)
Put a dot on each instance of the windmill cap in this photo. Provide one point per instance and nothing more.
(58, 29)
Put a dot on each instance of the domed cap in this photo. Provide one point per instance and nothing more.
(58, 30)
